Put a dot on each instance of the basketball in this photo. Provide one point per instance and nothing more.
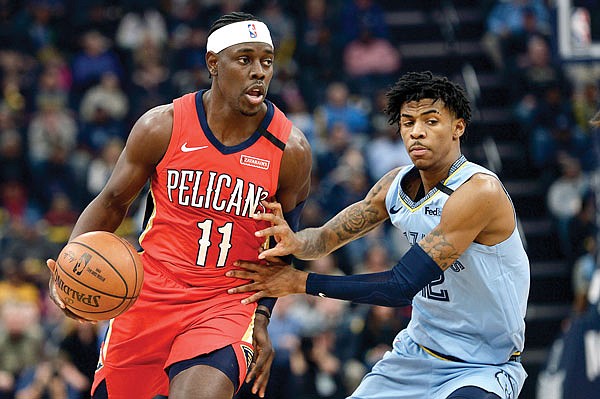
(98, 275)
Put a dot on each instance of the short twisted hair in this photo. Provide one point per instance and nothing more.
(231, 18)
(415, 86)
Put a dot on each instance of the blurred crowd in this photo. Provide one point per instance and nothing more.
(75, 75)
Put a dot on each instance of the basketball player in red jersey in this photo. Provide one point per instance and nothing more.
(211, 157)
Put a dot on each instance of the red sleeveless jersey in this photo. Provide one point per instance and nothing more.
(204, 194)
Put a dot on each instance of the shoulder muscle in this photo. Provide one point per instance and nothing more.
(294, 174)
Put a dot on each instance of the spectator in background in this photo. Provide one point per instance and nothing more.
(58, 176)
(188, 64)
(141, 23)
(51, 87)
(297, 111)
(98, 130)
(385, 152)
(346, 184)
(337, 141)
(20, 343)
(27, 243)
(583, 225)
(14, 285)
(93, 60)
(108, 95)
(370, 62)
(13, 158)
(60, 218)
(586, 100)
(52, 126)
(41, 381)
(16, 82)
(359, 14)
(583, 271)
(37, 25)
(102, 166)
(319, 50)
(149, 78)
(564, 199)
(320, 371)
(381, 326)
(51, 58)
(536, 73)
(285, 330)
(571, 370)
(340, 107)
(78, 355)
(17, 202)
(554, 132)
(97, 15)
(510, 20)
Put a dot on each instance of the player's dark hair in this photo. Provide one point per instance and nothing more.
(415, 86)
(231, 18)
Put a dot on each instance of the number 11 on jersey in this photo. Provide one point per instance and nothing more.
(204, 242)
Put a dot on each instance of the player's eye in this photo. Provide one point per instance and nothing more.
(268, 62)
(244, 60)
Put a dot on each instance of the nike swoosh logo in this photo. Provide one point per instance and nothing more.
(185, 148)
(394, 211)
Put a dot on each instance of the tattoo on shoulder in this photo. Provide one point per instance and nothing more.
(440, 250)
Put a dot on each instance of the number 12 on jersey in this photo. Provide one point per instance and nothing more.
(204, 242)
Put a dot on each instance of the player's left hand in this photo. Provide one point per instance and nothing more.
(260, 368)
(271, 280)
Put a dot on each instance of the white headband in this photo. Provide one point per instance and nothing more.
(236, 33)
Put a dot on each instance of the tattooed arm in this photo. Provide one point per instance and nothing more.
(353, 222)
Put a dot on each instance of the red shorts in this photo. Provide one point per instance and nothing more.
(170, 322)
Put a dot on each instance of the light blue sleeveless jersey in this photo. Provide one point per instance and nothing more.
(476, 310)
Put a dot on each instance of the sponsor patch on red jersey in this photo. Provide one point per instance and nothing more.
(254, 162)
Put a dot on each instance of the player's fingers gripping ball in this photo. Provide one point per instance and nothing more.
(98, 275)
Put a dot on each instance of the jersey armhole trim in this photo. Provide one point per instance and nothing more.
(175, 133)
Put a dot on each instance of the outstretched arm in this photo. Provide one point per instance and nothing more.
(479, 211)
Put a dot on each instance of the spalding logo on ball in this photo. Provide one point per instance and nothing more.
(98, 275)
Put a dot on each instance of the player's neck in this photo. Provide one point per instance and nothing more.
(228, 125)
(430, 177)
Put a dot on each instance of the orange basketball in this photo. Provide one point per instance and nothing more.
(98, 275)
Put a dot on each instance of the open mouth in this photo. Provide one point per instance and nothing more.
(255, 95)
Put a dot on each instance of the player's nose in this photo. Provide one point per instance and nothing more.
(257, 72)
(418, 130)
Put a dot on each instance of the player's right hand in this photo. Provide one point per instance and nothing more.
(286, 239)
(51, 263)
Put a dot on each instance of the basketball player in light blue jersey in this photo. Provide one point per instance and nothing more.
(466, 272)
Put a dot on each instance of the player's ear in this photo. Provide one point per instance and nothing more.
(211, 63)
(459, 128)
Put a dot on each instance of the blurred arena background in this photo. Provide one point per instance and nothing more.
(74, 75)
